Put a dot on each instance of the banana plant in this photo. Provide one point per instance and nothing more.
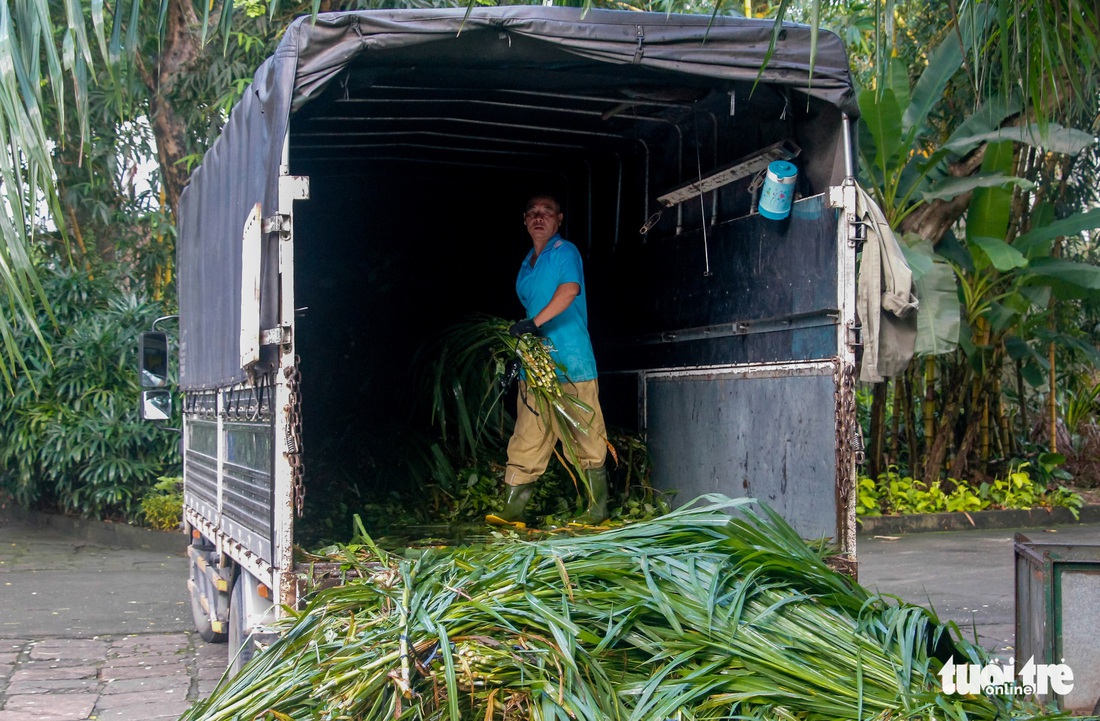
(906, 169)
(980, 289)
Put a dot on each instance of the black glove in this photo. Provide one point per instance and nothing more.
(519, 328)
(511, 373)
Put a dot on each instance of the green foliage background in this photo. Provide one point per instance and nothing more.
(71, 438)
(85, 81)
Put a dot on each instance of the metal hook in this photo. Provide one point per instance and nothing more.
(652, 221)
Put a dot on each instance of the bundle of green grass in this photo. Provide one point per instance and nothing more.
(699, 614)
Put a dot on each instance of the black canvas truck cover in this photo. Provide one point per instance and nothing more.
(243, 166)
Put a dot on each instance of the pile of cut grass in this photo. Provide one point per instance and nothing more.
(695, 615)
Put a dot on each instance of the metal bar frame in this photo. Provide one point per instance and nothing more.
(284, 582)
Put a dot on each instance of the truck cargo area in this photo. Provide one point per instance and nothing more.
(367, 192)
(420, 163)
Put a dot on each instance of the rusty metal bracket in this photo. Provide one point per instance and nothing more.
(854, 335)
(280, 335)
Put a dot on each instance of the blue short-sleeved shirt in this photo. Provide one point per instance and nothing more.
(560, 262)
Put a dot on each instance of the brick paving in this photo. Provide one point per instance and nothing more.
(139, 677)
(95, 623)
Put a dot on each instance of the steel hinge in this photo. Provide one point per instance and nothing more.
(275, 336)
(278, 223)
(857, 231)
(854, 335)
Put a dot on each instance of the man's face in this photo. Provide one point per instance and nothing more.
(542, 218)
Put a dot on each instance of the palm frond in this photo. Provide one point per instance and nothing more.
(691, 615)
(462, 369)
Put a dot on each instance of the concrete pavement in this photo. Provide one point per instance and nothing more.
(964, 576)
(94, 631)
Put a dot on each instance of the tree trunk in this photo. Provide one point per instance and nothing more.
(934, 218)
(895, 422)
(959, 466)
(1053, 403)
(945, 431)
(1025, 428)
(180, 48)
(928, 411)
(878, 429)
(912, 390)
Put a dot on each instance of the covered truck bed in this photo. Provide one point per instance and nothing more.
(718, 333)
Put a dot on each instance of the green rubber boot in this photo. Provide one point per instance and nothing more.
(596, 513)
(515, 502)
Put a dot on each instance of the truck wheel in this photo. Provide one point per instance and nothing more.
(200, 586)
(241, 646)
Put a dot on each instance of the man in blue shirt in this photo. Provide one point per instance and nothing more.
(550, 285)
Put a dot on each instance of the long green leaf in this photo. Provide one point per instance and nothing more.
(1088, 220)
(1071, 275)
(944, 61)
(1001, 255)
(940, 316)
(1051, 137)
(990, 207)
(986, 119)
(881, 115)
(953, 187)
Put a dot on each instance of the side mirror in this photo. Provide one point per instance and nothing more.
(156, 405)
(153, 350)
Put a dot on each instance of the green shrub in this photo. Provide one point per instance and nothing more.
(163, 506)
(70, 434)
(896, 494)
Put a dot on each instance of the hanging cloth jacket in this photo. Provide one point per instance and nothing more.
(885, 298)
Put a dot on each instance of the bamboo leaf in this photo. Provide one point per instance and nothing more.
(943, 62)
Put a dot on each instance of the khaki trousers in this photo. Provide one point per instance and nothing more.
(533, 441)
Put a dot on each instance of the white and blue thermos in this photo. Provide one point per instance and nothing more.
(778, 192)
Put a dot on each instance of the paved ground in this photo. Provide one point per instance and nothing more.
(965, 576)
(93, 631)
(98, 626)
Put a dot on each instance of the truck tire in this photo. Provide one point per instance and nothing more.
(241, 646)
(200, 585)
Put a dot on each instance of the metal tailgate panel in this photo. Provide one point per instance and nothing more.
(764, 433)
(248, 486)
(200, 468)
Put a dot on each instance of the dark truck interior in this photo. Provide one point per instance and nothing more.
(421, 158)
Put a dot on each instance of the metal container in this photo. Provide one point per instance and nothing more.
(1058, 614)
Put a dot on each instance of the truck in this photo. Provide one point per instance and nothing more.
(368, 189)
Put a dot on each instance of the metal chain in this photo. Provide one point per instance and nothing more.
(293, 411)
(846, 425)
(848, 438)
